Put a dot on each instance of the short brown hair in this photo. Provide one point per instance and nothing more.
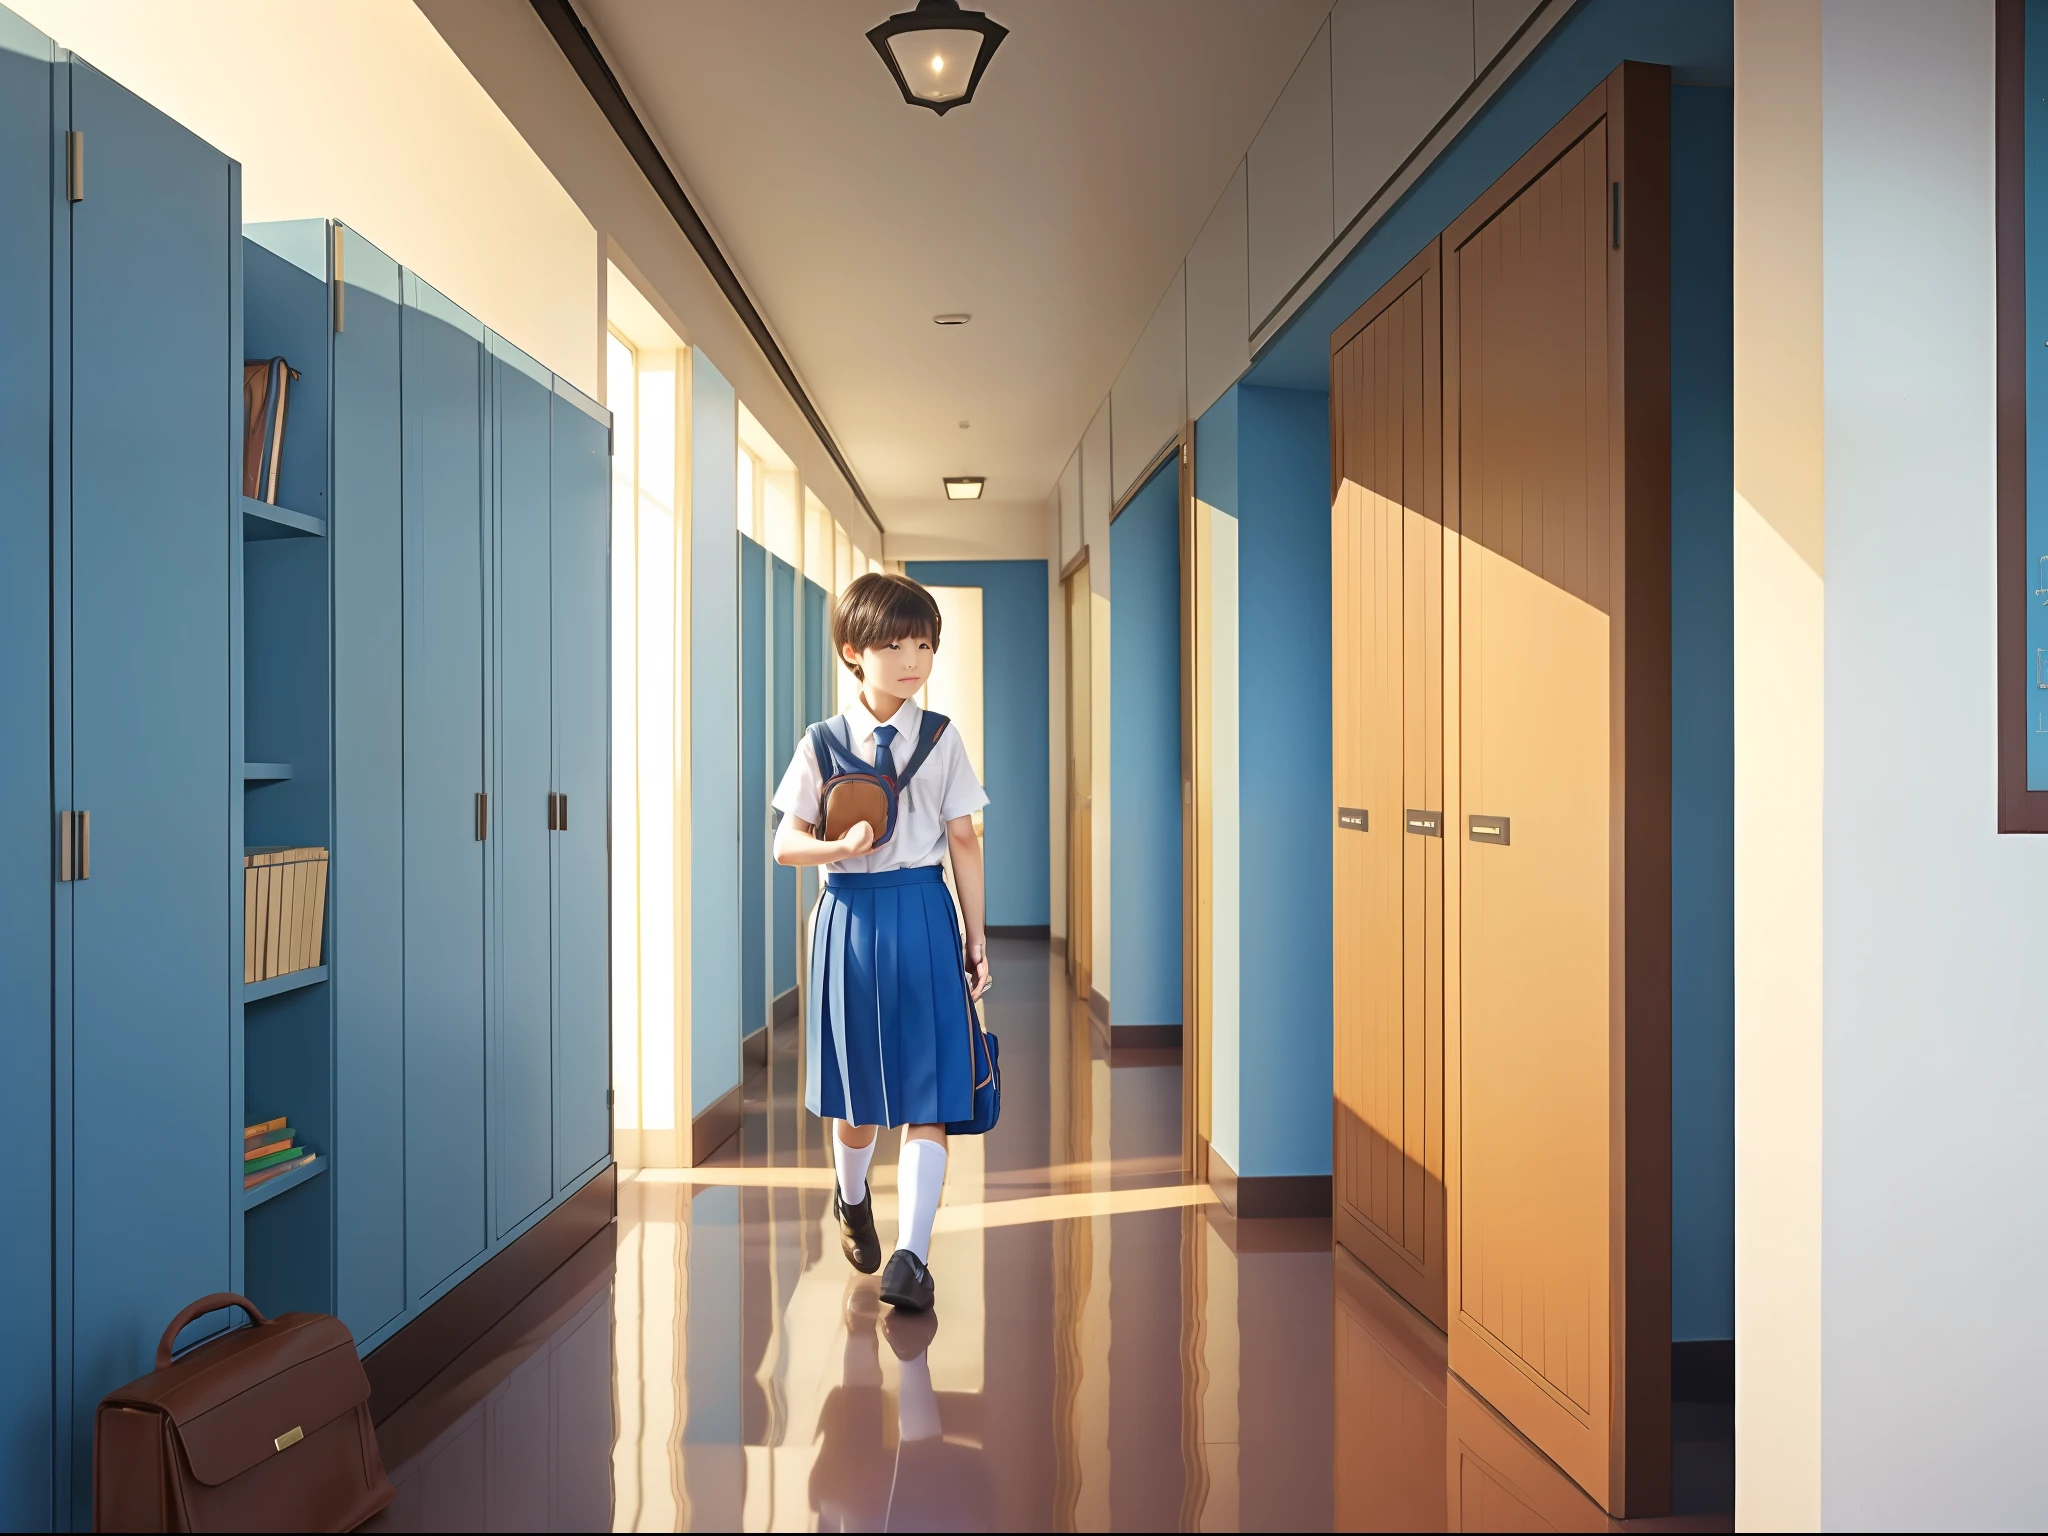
(878, 608)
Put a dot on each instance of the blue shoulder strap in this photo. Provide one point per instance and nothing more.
(934, 726)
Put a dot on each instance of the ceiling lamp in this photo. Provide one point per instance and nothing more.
(965, 487)
(937, 52)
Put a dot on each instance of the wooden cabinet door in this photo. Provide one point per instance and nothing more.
(445, 771)
(1556, 328)
(581, 467)
(153, 531)
(522, 1067)
(1387, 702)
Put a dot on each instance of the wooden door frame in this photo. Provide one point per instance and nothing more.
(1080, 945)
(1635, 102)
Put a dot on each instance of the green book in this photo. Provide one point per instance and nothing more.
(256, 1164)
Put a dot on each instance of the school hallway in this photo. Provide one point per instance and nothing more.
(1110, 1350)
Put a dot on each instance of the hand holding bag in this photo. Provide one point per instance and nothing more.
(853, 792)
(264, 1428)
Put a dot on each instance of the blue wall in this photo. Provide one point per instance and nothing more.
(1014, 649)
(1263, 456)
(1702, 715)
(1697, 41)
(714, 715)
(1144, 773)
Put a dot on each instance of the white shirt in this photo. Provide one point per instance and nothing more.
(945, 788)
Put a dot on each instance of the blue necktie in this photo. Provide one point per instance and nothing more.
(885, 760)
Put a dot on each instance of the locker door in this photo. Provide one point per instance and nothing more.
(582, 693)
(522, 1006)
(1387, 679)
(367, 910)
(755, 862)
(443, 468)
(1556, 387)
(154, 531)
(783, 736)
(26, 154)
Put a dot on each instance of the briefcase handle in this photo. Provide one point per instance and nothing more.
(200, 1308)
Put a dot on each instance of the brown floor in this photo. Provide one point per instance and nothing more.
(1109, 1350)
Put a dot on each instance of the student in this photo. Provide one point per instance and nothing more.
(888, 1031)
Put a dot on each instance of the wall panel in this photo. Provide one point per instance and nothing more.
(1218, 300)
(1396, 66)
(1288, 186)
(1149, 400)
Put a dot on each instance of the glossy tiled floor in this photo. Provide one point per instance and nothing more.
(1109, 1350)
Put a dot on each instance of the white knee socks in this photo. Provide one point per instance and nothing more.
(851, 1163)
(920, 1181)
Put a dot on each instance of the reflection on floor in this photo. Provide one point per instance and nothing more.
(1109, 1351)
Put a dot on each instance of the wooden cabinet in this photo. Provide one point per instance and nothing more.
(1501, 693)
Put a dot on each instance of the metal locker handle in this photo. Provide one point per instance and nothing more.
(562, 811)
(1488, 829)
(483, 816)
(83, 821)
(67, 848)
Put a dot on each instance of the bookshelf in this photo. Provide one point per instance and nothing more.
(265, 1192)
(291, 981)
(261, 521)
(287, 1034)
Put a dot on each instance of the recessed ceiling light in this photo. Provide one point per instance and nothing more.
(951, 319)
(964, 487)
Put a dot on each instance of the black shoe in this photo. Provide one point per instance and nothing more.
(857, 1237)
(907, 1282)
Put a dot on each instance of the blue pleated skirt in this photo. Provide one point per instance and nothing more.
(888, 1026)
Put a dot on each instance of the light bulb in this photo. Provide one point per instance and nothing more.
(938, 63)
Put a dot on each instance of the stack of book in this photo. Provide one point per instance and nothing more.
(284, 909)
(270, 1148)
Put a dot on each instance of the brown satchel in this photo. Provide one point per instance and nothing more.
(265, 1428)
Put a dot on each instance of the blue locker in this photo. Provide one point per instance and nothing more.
(819, 690)
(443, 424)
(581, 497)
(783, 740)
(755, 833)
(154, 529)
(522, 1065)
(366, 895)
(27, 208)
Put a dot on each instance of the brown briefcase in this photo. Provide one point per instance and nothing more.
(265, 1428)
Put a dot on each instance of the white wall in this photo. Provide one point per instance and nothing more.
(1779, 602)
(1293, 208)
(1399, 65)
(1375, 97)
(508, 49)
(1935, 1235)
(1150, 398)
(1218, 301)
(357, 110)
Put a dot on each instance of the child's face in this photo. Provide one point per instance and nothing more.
(898, 667)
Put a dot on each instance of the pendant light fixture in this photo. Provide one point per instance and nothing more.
(937, 52)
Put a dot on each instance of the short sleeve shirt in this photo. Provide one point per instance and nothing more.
(945, 788)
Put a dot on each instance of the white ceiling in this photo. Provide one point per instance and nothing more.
(1054, 208)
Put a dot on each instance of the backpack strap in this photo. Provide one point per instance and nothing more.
(933, 727)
